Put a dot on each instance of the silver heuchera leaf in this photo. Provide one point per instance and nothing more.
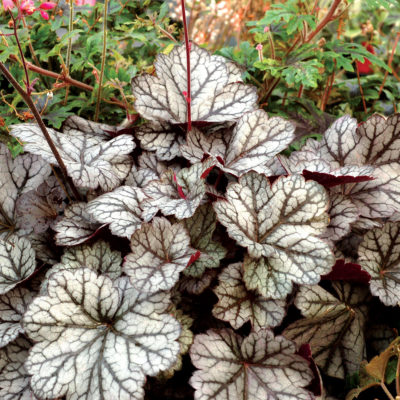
(281, 222)
(201, 228)
(378, 198)
(74, 123)
(17, 261)
(97, 340)
(380, 139)
(160, 251)
(17, 176)
(98, 257)
(255, 140)
(259, 367)
(90, 161)
(238, 305)
(161, 137)
(333, 326)
(213, 98)
(273, 281)
(379, 255)
(122, 209)
(179, 193)
(12, 306)
(14, 380)
(339, 143)
(76, 226)
(342, 213)
(149, 169)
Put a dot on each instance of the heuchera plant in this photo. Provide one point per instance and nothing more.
(193, 234)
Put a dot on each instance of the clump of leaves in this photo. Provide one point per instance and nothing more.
(201, 247)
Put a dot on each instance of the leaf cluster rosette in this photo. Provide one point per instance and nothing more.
(197, 242)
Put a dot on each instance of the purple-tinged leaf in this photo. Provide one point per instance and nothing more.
(160, 251)
(237, 305)
(38, 209)
(260, 367)
(333, 326)
(349, 272)
(195, 285)
(329, 180)
(379, 255)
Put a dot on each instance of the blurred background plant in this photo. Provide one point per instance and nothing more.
(312, 60)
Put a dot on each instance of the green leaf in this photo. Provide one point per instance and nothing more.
(390, 374)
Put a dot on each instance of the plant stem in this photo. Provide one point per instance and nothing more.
(386, 390)
(398, 374)
(69, 48)
(187, 46)
(27, 83)
(361, 89)
(103, 61)
(28, 100)
(328, 17)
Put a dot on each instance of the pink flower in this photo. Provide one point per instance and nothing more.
(28, 7)
(259, 47)
(8, 4)
(47, 5)
(266, 29)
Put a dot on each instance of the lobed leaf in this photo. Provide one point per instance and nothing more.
(259, 367)
(379, 255)
(201, 227)
(91, 161)
(237, 305)
(14, 380)
(160, 251)
(179, 193)
(17, 261)
(13, 304)
(95, 339)
(122, 209)
(213, 97)
(254, 141)
(333, 326)
(76, 226)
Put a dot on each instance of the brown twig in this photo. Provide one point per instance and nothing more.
(66, 79)
(328, 18)
(35, 112)
(361, 89)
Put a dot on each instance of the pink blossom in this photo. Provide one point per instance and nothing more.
(266, 29)
(28, 7)
(44, 15)
(8, 4)
(47, 5)
(259, 47)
